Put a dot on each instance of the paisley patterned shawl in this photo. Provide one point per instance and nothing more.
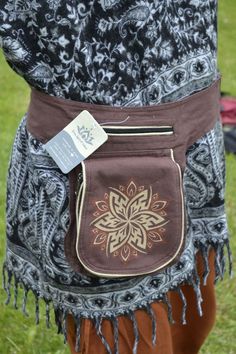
(112, 52)
(123, 54)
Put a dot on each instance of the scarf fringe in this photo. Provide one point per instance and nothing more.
(36, 308)
(58, 320)
(61, 313)
(7, 282)
(64, 324)
(184, 306)
(48, 323)
(16, 282)
(154, 323)
(169, 308)
(24, 302)
(196, 286)
(132, 317)
(78, 333)
(205, 254)
(116, 334)
(98, 326)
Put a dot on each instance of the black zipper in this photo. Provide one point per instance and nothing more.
(168, 130)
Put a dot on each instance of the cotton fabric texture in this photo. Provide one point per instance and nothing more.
(121, 54)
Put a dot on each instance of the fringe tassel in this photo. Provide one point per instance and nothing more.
(196, 286)
(48, 323)
(222, 259)
(218, 267)
(24, 302)
(78, 328)
(205, 254)
(98, 327)
(8, 286)
(154, 324)
(230, 258)
(64, 325)
(4, 270)
(58, 322)
(184, 307)
(169, 308)
(115, 325)
(36, 309)
(16, 282)
(136, 333)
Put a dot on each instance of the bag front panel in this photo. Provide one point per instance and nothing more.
(130, 212)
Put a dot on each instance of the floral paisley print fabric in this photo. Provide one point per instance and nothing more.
(121, 53)
(112, 52)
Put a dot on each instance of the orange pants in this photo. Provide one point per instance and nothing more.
(171, 338)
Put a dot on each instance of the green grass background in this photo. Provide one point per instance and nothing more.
(18, 334)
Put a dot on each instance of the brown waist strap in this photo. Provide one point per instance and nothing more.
(191, 117)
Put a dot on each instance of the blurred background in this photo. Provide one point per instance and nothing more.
(19, 334)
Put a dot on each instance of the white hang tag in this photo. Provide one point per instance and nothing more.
(76, 141)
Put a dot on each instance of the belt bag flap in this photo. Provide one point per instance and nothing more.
(130, 211)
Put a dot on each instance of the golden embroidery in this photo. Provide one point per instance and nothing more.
(128, 221)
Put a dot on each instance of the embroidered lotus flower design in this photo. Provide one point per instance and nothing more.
(129, 220)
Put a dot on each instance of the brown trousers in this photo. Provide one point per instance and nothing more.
(171, 338)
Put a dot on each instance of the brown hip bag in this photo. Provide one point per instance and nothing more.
(127, 210)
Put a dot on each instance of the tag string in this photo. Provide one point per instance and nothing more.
(117, 122)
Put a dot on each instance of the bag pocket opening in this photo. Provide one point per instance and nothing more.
(139, 130)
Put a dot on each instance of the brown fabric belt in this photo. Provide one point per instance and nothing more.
(196, 114)
(190, 118)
